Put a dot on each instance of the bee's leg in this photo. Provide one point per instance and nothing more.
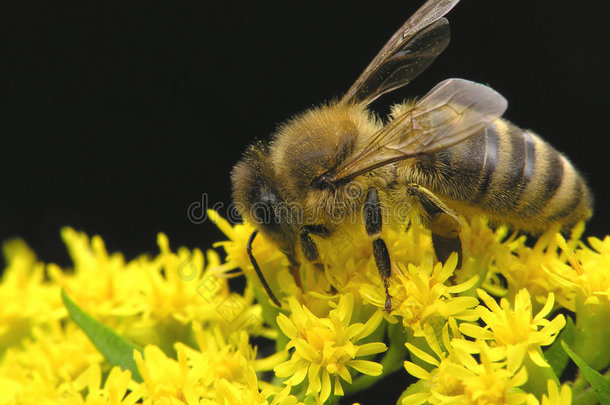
(373, 223)
(308, 246)
(443, 222)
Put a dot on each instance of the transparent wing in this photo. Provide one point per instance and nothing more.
(452, 111)
(408, 53)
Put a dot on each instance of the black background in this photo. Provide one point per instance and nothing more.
(118, 116)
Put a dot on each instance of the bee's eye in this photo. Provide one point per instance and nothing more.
(264, 207)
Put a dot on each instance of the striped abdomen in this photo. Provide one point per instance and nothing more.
(509, 174)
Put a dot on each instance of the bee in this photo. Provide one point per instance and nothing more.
(449, 155)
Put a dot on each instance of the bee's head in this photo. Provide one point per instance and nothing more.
(307, 150)
(258, 200)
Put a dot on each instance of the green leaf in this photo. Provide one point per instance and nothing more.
(117, 350)
(555, 355)
(600, 385)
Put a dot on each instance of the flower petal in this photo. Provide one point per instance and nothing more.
(366, 367)
(546, 309)
(344, 373)
(338, 387)
(287, 326)
(514, 356)
(371, 348)
(315, 384)
(421, 354)
(475, 331)
(345, 308)
(537, 358)
(298, 376)
(416, 371)
(416, 399)
(305, 350)
(371, 325)
(326, 386)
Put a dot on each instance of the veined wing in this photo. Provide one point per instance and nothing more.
(452, 111)
(408, 53)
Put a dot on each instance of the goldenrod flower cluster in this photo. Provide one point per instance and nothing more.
(520, 322)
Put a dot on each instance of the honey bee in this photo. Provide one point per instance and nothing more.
(448, 154)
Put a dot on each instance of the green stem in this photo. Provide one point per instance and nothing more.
(580, 384)
(586, 396)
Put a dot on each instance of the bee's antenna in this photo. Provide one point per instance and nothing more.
(259, 273)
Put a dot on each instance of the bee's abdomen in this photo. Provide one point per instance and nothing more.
(510, 174)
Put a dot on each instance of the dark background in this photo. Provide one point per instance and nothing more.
(118, 116)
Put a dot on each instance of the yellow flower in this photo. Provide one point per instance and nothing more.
(484, 250)
(350, 266)
(174, 286)
(555, 396)
(168, 380)
(102, 283)
(171, 286)
(460, 378)
(149, 299)
(27, 299)
(422, 295)
(220, 371)
(44, 365)
(326, 347)
(198, 335)
(118, 388)
(540, 268)
(515, 330)
(272, 262)
(181, 288)
(439, 382)
(589, 282)
(230, 393)
(593, 265)
(489, 382)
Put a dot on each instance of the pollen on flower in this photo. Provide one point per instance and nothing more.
(204, 343)
(326, 349)
(118, 387)
(515, 330)
(44, 365)
(269, 258)
(460, 377)
(27, 300)
(422, 294)
(221, 367)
